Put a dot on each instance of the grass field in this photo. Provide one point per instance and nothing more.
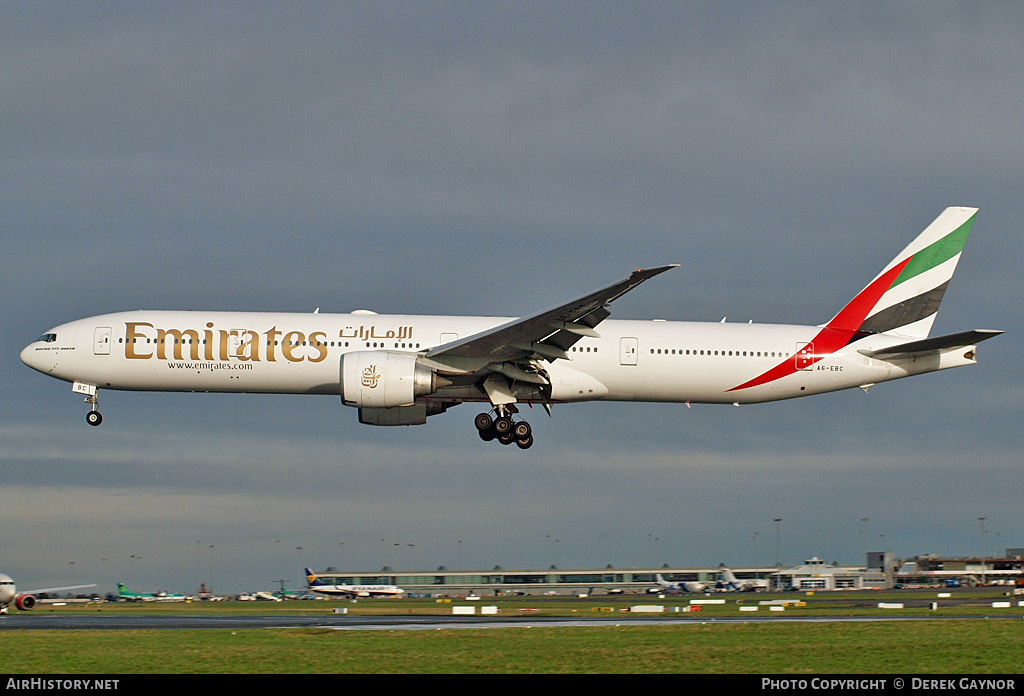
(966, 646)
(776, 648)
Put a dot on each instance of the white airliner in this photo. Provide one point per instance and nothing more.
(401, 369)
(730, 583)
(26, 600)
(681, 586)
(320, 587)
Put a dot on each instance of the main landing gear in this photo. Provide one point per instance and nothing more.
(502, 428)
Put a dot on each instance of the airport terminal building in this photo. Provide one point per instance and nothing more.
(881, 570)
(500, 582)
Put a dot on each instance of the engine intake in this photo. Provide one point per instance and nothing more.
(383, 379)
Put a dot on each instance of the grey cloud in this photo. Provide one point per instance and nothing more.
(492, 159)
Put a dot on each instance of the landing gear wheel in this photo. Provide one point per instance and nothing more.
(526, 442)
(93, 418)
(503, 425)
(483, 421)
(487, 435)
(506, 438)
(522, 430)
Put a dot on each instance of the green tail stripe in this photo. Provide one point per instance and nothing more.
(936, 253)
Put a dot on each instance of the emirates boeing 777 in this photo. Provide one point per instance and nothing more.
(402, 369)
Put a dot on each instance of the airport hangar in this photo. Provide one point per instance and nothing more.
(882, 570)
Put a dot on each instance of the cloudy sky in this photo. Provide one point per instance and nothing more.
(498, 158)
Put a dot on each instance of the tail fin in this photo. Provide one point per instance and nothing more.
(311, 578)
(902, 299)
(905, 296)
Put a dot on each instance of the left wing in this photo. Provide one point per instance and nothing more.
(545, 335)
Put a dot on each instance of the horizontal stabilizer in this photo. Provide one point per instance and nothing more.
(957, 340)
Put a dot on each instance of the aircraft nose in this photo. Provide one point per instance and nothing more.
(36, 359)
(27, 355)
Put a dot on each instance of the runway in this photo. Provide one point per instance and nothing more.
(70, 622)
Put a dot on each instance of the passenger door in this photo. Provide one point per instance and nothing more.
(101, 341)
(628, 349)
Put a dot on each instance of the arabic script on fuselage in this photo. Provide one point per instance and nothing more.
(145, 341)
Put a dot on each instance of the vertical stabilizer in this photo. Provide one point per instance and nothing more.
(904, 298)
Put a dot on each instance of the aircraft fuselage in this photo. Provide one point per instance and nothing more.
(290, 353)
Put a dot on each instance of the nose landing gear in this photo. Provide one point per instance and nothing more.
(92, 398)
(93, 417)
(503, 429)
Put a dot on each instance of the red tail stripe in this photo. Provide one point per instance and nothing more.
(838, 331)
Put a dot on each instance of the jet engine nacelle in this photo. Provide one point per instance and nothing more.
(25, 602)
(382, 379)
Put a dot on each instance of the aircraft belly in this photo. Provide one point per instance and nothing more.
(669, 383)
(209, 376)
(698, 381)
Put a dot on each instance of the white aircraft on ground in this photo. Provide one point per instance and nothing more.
(401, 369)
(320, 587)
(730, 583)
(682, 586)
(26, 600)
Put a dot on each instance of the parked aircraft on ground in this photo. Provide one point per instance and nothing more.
(728, 582)
(682, 586)
(124, 594)
(320, 587)
(400, 369)
(289, 594)
(26, 600)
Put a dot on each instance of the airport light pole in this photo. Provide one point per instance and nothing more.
(778, 535)
(981, 521)
(860, 533)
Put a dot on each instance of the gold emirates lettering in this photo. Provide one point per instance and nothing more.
(245, 345)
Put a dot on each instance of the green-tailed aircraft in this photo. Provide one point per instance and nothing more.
(124, 595)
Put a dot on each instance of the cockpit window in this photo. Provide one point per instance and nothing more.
(47, 338)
